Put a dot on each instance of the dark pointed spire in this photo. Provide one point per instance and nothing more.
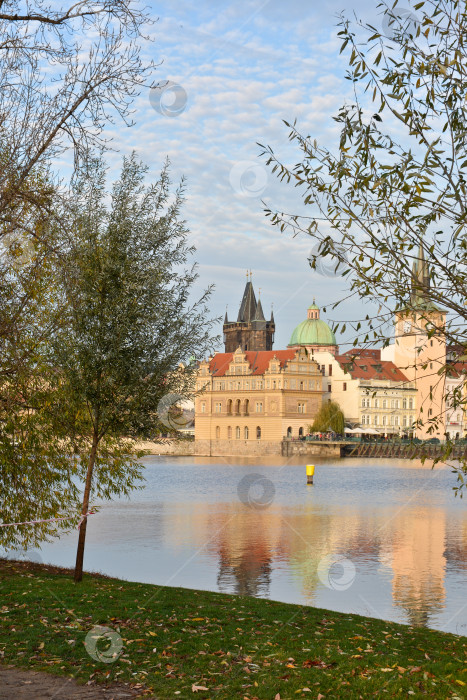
(248, 305)
(272, 313)
(226, 320)
(259, 315)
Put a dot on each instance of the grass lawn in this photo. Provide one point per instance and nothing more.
(179, 643)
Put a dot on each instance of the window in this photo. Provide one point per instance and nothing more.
(385, 403)
(330, 370)
(384, 420)
(245, 433)
(396, 420)
(218, 407)
(289, 431)
(237, 407)
(392, 403)
(376, 403)
(218, 433)
(404, 403)
(203, 407)
(376, 420)
(363, 403)
(274, 384)
(329, 388)
(259, 407)
(391, 420)
(410, 403)
(344, 386)
(247, 407)
(258, 433)
(302, 407)
(404, 421)
(229, 407)
(410, 420)
(397, 403)
(237, 432)
(229, 433)
(300, 432)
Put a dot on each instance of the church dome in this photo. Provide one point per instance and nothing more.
(313, 331)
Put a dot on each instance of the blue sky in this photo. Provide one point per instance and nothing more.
(245, 66)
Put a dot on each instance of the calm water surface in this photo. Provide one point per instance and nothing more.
(383, 538)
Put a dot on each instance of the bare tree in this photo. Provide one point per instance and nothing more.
(64, 73)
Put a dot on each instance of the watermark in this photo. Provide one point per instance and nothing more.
(400, 22)
(171, 413)
(248, 178)
(16, 250)
(336, 572)
(168, 98)
(328, 259)
(256, 491)
(103, 644)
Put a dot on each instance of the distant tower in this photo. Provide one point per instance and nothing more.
(250, 331)
(420, 357)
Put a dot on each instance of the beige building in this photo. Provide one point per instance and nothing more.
(371, 392)
(250, 399)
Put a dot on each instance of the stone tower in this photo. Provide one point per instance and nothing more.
(420, 350)
(250, 331)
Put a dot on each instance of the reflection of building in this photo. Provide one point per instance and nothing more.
(250, 331)
(418, 563)
(250, 400)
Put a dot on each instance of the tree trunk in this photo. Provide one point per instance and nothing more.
(84, 510)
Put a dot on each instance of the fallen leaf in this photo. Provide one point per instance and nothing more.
(195, 688)
(415, 669)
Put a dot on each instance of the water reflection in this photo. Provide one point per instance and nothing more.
(393, 535)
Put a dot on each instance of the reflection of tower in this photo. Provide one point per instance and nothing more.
(246, 574)
(419, 564)
(250, 331)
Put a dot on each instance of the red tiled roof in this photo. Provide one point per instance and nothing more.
(258, 360)
(455, 369)
(374, 354)
(368, 368)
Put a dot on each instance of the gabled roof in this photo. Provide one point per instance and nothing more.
(373, 353)
(368, 368)
(258, 361)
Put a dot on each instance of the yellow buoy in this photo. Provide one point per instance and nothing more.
(310, 470)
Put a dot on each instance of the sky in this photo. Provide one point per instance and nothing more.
(232, 72)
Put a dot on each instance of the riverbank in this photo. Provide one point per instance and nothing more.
(169, 642)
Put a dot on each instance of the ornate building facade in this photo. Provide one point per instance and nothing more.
(249, 400)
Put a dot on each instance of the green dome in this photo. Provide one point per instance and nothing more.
(313, 331)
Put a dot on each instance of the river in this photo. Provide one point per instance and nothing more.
(384, 538)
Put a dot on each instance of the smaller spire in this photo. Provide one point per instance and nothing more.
(226, 320)
(272, 312)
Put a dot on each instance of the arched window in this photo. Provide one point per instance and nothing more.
(247, 407)
(410, 403)
(229, 407)
(300, 432)
(245, 432)
(289, 431)
(229, 433)
(218, 433)
(237, 407)
(237, 432)
(404, 403)
(385, 403)
(384, 420)
(258, 433)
